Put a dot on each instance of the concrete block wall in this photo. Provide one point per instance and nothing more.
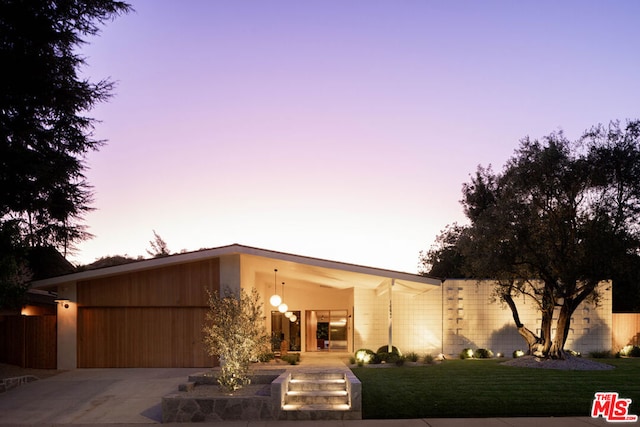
(473, 319)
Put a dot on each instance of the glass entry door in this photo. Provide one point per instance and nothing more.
(285, 332)
(326, 330)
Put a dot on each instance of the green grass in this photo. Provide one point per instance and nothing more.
(484, 388)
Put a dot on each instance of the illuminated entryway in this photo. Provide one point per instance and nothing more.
(285, 331)
(326, 330)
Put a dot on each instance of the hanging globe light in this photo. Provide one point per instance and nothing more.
(275, 299)
(282, 308)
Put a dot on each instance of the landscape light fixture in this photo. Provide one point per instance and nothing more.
(275, 299)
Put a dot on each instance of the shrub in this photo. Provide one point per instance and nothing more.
(412, 356)
(600, 354)
(398, 360)
(385, 349)
(630, 351)
(428, 358)
(291, 358)
(518, 353)
(467, 353)
(483, 353)
(352, 361)
(364, 355)
(383, 356)
(266, 356)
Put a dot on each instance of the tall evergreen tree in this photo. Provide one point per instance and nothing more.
(44, 128)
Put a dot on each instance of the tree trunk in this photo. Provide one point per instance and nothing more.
(548, 306)
(534, 342)
(545, 346)
(545, 334)
(562, 332)
(563, 327)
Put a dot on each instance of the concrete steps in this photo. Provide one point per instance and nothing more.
(316, 395)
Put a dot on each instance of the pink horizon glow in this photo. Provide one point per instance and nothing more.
(338, 130)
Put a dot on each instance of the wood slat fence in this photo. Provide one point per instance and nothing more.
(625, 330)
(29, 341)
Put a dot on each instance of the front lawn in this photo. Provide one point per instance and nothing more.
(485, 388)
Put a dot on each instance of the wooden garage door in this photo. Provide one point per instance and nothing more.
(146, 319)
(149, 337)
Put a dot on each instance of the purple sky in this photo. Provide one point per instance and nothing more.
(335, 129)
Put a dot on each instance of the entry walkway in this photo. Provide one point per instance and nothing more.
(131, 397)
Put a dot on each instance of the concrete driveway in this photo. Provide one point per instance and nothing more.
(93, 396)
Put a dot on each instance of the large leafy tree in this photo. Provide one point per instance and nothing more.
(561, 218)
(444, 258)
(45, 132)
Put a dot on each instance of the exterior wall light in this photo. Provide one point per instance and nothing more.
(63, 302)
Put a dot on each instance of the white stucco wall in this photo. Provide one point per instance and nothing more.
(67, 324)
(416, 322)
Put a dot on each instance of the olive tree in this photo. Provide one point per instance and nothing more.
(553, 225)
(235, 332)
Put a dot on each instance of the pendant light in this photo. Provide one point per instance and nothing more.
(275, 299)
(282, 308)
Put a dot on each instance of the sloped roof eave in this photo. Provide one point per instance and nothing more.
(234, 249)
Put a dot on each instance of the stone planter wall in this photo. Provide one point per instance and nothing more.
(182, 409)
(192, 403)
(199, 400)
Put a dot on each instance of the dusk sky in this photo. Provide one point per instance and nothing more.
(335, 129)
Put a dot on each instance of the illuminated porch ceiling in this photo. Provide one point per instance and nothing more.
(302, 272)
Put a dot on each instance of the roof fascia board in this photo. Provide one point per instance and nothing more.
(146, 264)
(337, 265)
(231, 250)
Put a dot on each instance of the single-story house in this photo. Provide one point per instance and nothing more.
(150, 313)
